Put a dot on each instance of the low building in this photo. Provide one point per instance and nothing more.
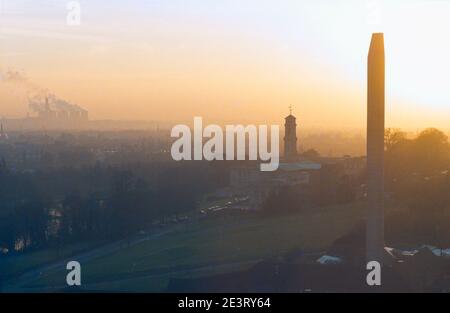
(247, 180)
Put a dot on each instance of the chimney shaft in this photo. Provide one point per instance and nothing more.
(375, 149)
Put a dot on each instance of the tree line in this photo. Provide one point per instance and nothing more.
(417, 174)
(71, 205)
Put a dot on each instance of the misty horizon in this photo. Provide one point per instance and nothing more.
(171, 66)
(221, 147)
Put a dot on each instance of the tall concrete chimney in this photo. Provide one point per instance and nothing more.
(375, 149)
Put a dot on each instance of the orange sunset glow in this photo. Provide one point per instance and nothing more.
(231, 60)
(206, 148)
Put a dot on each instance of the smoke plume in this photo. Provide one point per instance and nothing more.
(39, 100)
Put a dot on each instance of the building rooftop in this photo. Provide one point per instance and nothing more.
(290, 116)
(299, 166)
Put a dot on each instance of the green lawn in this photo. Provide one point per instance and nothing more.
(149, 265)
(21, 263)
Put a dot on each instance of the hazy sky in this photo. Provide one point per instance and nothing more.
(230, 60)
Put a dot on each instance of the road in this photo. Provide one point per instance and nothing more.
(17, 284)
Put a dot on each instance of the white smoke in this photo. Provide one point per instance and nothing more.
(38, 99)
(49, 102)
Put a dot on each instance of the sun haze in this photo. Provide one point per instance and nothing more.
(238, 61)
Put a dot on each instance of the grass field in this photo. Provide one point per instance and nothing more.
(217, 244)
(15, 265)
